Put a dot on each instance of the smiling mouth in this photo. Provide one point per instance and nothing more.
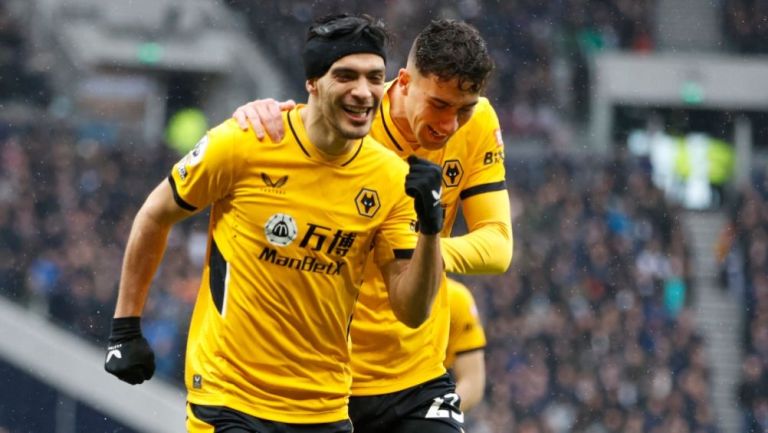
(357, 113)
(436, 135)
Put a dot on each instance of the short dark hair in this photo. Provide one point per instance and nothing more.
(334, 36)
(453, 49)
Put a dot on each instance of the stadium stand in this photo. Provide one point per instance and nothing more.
(744, 255)
(587, 332)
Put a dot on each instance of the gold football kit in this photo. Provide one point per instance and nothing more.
(290, 231)
(388, 356)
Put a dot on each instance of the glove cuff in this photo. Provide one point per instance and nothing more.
(428, 229)
(124, 329)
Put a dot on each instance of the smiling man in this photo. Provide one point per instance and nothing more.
(291, 229)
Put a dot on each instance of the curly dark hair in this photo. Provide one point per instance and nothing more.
(453, 49)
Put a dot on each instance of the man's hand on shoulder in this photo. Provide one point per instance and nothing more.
(264, 116)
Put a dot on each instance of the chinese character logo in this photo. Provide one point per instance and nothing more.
(367, 202)
(317, 235)
(452, 173)
(281, 229)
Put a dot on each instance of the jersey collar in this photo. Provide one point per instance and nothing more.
(299, 133)
(395, 137)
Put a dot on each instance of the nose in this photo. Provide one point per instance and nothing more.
(448, 125)
(361, 89)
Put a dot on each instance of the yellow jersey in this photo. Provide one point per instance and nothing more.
(290, 232)
(388, 356)
(466, 332)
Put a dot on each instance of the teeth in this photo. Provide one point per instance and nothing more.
(361, 110)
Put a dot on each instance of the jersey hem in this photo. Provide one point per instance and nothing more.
(373, 387)
(294, 417)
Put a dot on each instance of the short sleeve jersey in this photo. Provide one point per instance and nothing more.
(290, 232)
(466, 332)
(388, 356)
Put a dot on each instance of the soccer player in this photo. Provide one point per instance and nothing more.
(433, 109)
(292, 226)
(465, 355)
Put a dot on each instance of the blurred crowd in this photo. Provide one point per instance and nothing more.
(746, 25)
(66, 208)
(541, 48)
(744, 254)
(590, 331)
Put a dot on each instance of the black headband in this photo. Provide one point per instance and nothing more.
(320, 52)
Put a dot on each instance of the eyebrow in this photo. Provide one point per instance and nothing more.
(444, 102)
(345, 70)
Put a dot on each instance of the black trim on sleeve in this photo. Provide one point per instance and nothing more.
(217, 276)
(295, 135)
(386, 128)
(403, 254)
(470, 350)
(480, 189)
(359, 148)
(177, 198)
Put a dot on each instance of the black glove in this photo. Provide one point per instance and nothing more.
(424, 184)
(129, 356)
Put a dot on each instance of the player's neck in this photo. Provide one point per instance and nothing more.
(322, 135)
(399, 116)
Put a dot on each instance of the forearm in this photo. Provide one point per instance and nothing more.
(469, 369)
(414, 290)
(146, 245)
(485, 250)
(471, 394)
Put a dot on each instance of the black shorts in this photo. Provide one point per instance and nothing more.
(220, 419)
(432, 407)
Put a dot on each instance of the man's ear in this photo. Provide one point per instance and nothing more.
(403, 80)
(311, 86)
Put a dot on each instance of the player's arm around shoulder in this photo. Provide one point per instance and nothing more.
(413, 275)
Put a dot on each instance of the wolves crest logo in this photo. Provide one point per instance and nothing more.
(367, 202)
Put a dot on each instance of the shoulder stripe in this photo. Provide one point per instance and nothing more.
(177, 198)
(403, 254)
(359, 147)
(386, 128)
(486, 187)
(295, 135)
